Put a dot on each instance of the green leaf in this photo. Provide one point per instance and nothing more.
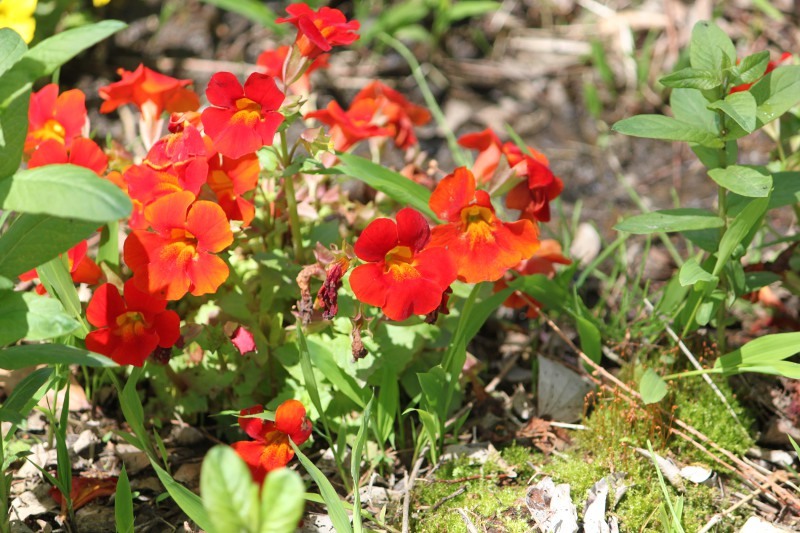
(66, 191)
(693, 78)
(123, 504)
(756, 280)
(741, 107)
(323, 360)
(25, 395)
(667, 128)
(56, 278)
(230, 497)
(744, 181)
(691, 272)
(652, 387)
(26, 315)
(26, 355)
(670, 220)
(542, 289)
(785, 191)
(396, 16)
(710, 48)
(777, 92)
(282, 502)
(738, 230)
(706, 239)
(189, 502)
(591, 343)
(394, 185)
(388, 400)
(764, 355)
(336, 509)
(690, 106)
(752, 67)
(13, 126)
(12, 47)
(462, 10)
(32, 240)
(256, 11)
(355, 464)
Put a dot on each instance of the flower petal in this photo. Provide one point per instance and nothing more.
(105, 306)
(168, 328)
(377, 239)
(208, 223)
(206, 273)
(169, 212)
(223, 90)
(452, 194)
(412, 229)
(290, 418)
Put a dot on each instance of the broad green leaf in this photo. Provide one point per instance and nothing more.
(434, 389)
(355, 463)
(690, 106)
(667, 128)
(282, 502)
(752, 67)
(741, 107)
(66, 191)
(710, 48)
(763, 355)
(693, 78)
(777, 92)
(25, 395)
(591, 343)
(230, 497)
(756, 280)
(706, 239)
(13, 126)
(123, 504)
(256, 11)
(738, 230)
(189, 502)
(744, 181)
(394, 185)
(26, 315)
(323, 360)
(691, 272)
(396, 16)
(785, 191)
(336, 509)
(32, 240)
(670, 220)
(473, 8)
(542, 289)
(12, 47)
(309, 380)
(652, 387)
(58, 281)
(26, 355)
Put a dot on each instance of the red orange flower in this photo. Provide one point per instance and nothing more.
(179, 257)
(82, 268)
(543, 261)
(145, 185)
(130, 327)
(533, 196)
(404, 275)
(82, 152)
(231, 179)
(53, 116)
(150, 91)
(484, 246)
(351, 126)
(245, 118)
(272, 61)
(270, 448)
(319, 31)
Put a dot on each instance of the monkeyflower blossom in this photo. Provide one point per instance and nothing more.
(178, 257)
(270, 449)
(534, 194)
(483, 245)
(404, 275)
(231, 179)
(130, 326)
(242, 119)
(55, 117)
(319, 31)
(272, 61)
(18, 16)
(82, 152)
(543, 261)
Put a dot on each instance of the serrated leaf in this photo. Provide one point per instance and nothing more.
(752, 67)
(777, 92)
(652, 387)
(669, 220)
(741, 107)
(691, 272)
(666, 128)
(693, 78)
(710, 47)
(744, 181)
(66, 191)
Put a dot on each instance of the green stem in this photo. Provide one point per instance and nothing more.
(722, 211)
(690, 373)
(291, 202)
